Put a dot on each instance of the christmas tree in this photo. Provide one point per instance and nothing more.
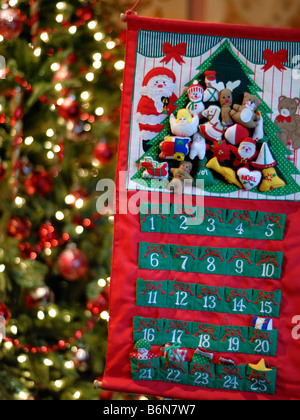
(59, 108)
(231, 68)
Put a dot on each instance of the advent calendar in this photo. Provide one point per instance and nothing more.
(204, 286)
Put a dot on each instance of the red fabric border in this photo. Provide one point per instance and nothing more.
(127, 236)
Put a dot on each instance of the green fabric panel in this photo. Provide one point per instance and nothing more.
(214, 222)
(240, 262)
(213, 261)
(238, 301)
(178, 333)
(241, 224)
(185, 219)
(184, 258)
(270, 226)
(151, 293)
(268, 265)
(148, 329)
(266, 304)
(154, 218)
(181, 295)
(261, 382)
(207, 335)
(145, 370)
(154, 256)
(175, 372)
(201, 375)
(234, 339)
(209, 299)
(230, 377)
(262, 342)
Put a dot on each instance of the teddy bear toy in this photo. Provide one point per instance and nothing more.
(288, 121)
(245, 114)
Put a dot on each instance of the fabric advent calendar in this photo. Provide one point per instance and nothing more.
(205, 291)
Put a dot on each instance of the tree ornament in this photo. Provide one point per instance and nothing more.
(69, 108)
(81, 359)
(72, 263)
(5, 312)
(41, 182)
(19, 228)
(98, 305)
(38, 297)
(104, 152)
(245, 153)
(11, 23)
(48, 236)
(2, 172)
(249, 179)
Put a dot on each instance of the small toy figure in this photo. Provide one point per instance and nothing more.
(154, 170)
(226, 100)
(195, 93)
(143, 351)
(288, 121)
(211, 94)
(179, 176)
(228, 173)
(260, 323)
(185, 125)
(236, 134)
(245, 114)
(249, 179)
(174, 148)
(245, 153)
(198, 147)
(213, 129)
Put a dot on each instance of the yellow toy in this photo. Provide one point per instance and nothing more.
(228, 173)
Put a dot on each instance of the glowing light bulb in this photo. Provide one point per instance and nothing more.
(99, 111)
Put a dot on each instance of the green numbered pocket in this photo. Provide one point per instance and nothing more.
(209, 298)
(154, 218)
(178, 333)
(241, 224)
(145, 370)
(240, 262)
(181, 295)
(266, 304)
(151, 293)
(238, 301)
(207, 336)
(148, 329)
(213, 261)
(270, 226)
(268, 265)
(184, 258)
(185, 219)
(234, 339)
(213, 223)
(263, 342)
(230, 378)
(203, 376)
(262, 382)
(174, 371)
(154, 256)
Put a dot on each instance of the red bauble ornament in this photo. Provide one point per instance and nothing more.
(11, 23)
(5, 312)
(40, 182)
(48, 236)
(72, 264)
(104, 152)
(19, 228)
(69, 109)
(40, 296)
(98, 305)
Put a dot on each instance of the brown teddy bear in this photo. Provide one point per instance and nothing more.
(288, 122)
(245, 114)
(225, 99)
(179, 175)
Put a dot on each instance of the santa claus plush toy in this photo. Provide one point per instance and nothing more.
(156, 103)
(245, 153)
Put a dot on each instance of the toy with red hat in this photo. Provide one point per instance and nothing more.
(245, 153)
(195, 93)
(156, 103)
(211, 94)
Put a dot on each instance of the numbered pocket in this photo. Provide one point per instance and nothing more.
(154, 256)
(270, 226)
(154, 217)
(209, 298)
(184, 259)
(230, 378)
(185, 219)
(268, 265)
(145, 370)
(241, 224)
(240, 262)
(178, 333)
(202, 376)
(262, 382)
(238, 301)
(175, 372)
(266, 304)
(212, 261)
(214, 222)
(148, 329)
(234, 339)
(263, 343)
(152, 293)
(207, 336)
(181, 295)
